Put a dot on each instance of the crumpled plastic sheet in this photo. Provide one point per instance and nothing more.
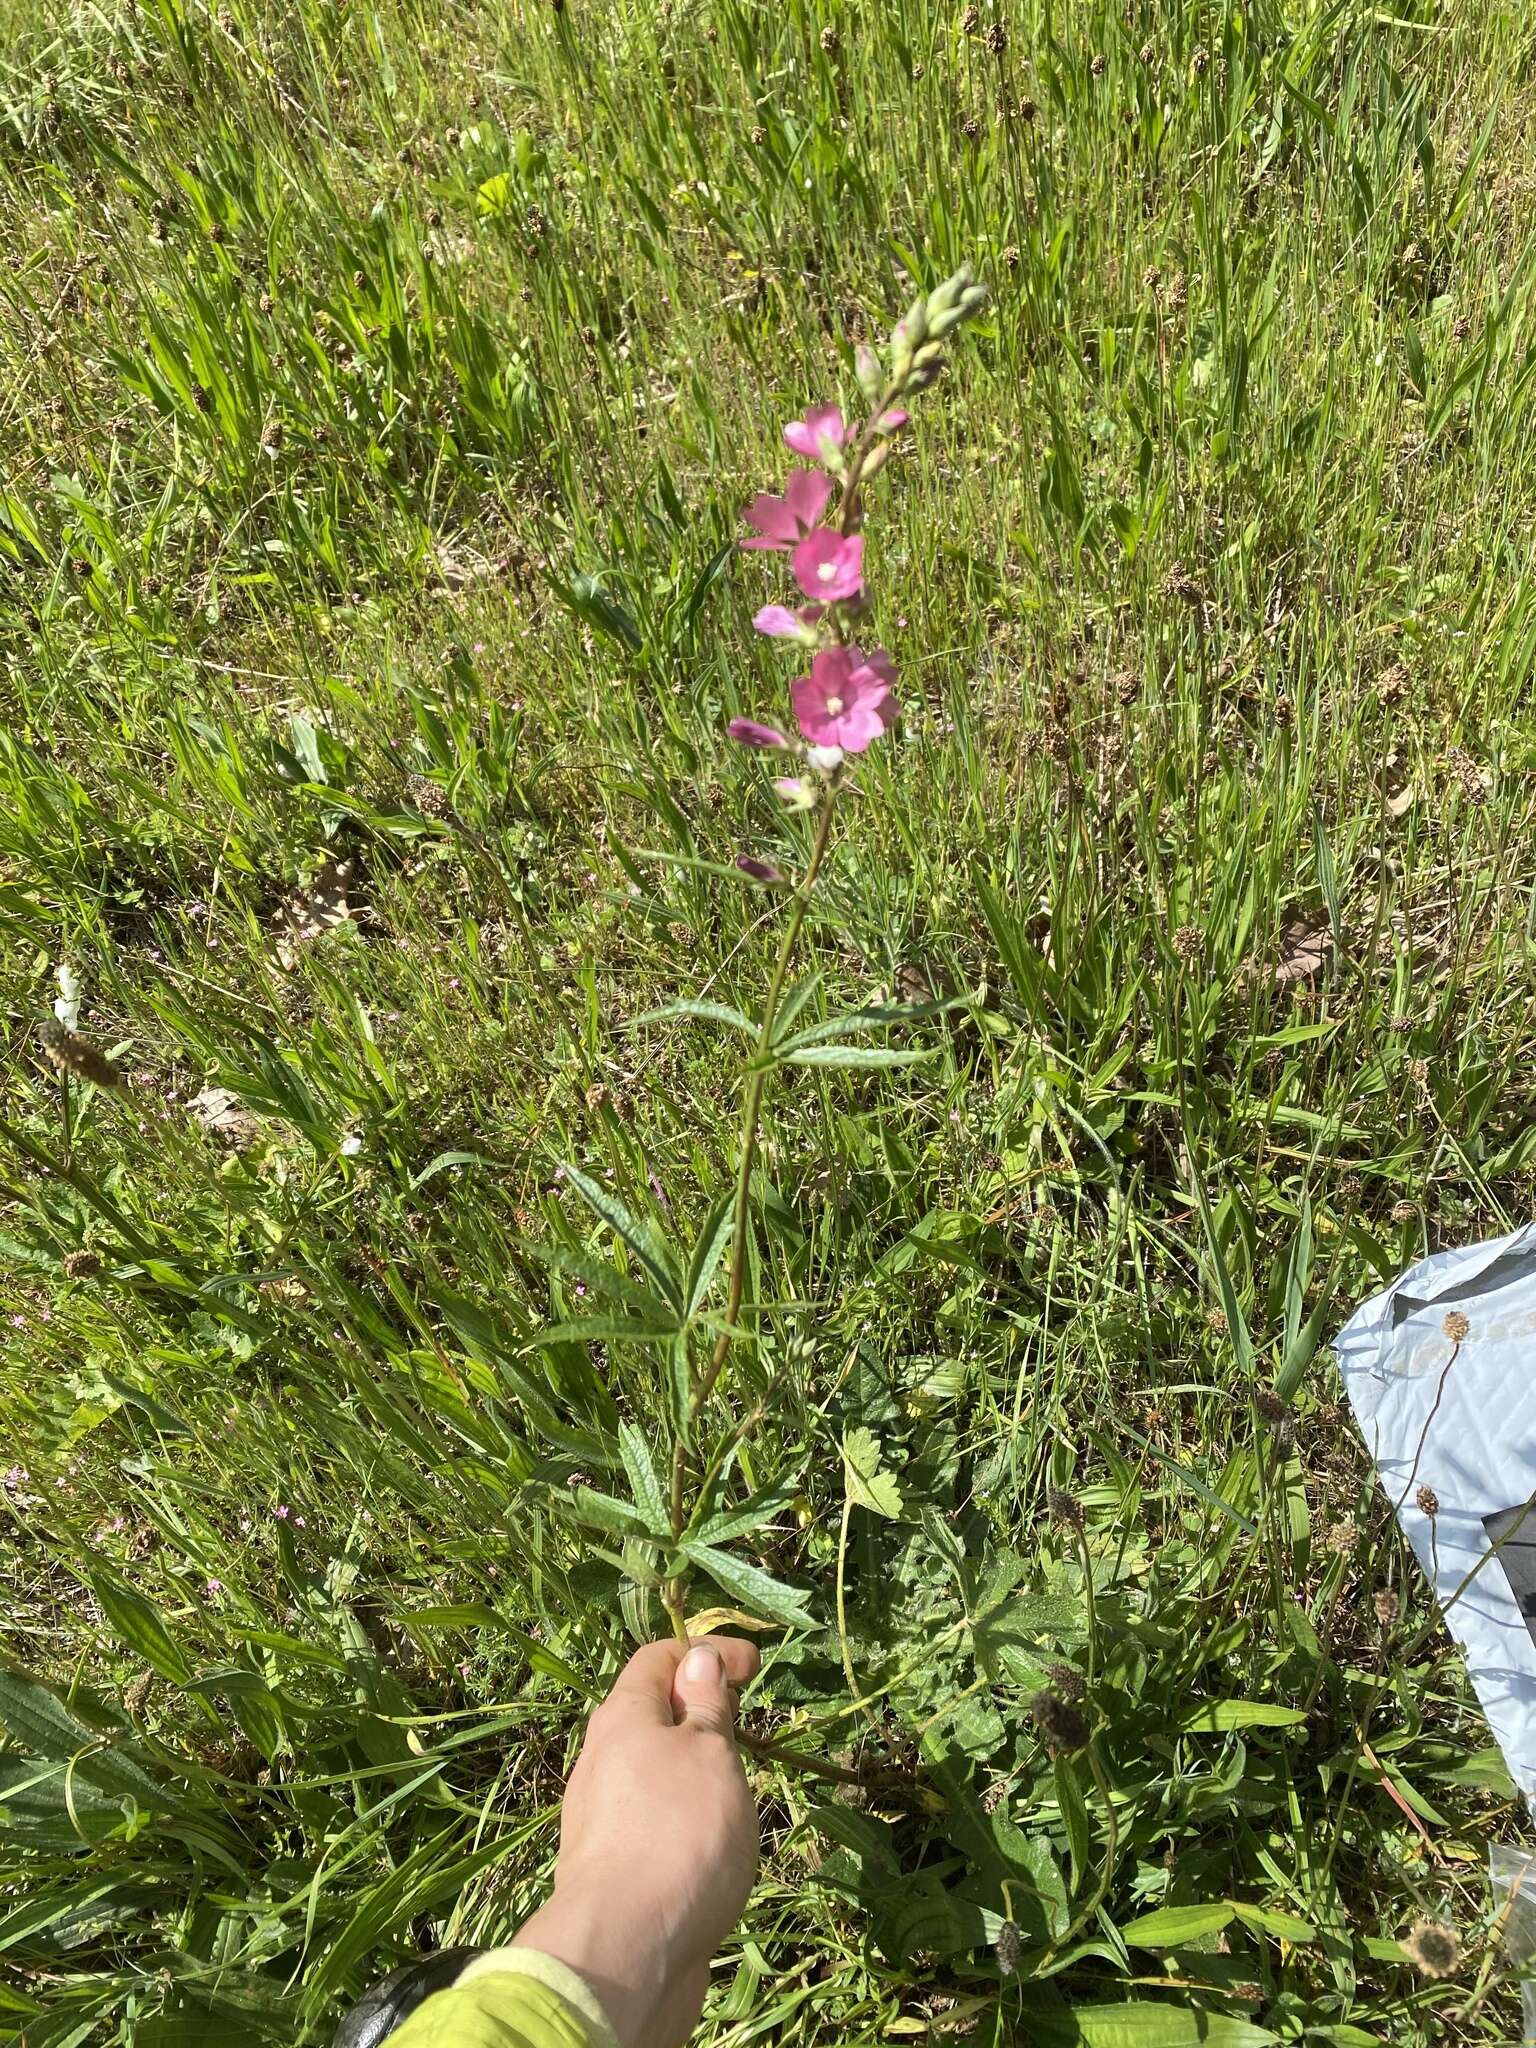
(1440, 1370)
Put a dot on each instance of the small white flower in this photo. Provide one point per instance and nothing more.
(67, 1004)
(351, 1146)
(825, 758)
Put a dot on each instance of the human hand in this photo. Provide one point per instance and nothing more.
(658, 1840)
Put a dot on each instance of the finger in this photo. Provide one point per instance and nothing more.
(644, 1687)
(701, 1693)
(739, 1656)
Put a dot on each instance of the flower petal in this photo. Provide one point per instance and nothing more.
(806, 492)
(820, 434)
(775, 517)
(780, 622)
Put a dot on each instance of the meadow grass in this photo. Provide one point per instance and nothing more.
(381, 388)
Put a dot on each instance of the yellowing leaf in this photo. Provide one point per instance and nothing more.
(710, 1619)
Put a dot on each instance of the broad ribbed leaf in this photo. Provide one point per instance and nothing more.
(644, 1484)
(756, 1589)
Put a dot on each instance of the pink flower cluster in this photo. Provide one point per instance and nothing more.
(846, 701)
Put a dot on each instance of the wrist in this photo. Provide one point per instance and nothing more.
(626, 1969)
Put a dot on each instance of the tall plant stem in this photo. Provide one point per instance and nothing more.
(751, 1113)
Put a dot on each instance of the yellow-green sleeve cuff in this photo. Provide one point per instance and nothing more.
(510, 1998)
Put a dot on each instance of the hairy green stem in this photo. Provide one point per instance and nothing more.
(751, 1112)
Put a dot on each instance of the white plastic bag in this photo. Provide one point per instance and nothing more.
(1441, 1373)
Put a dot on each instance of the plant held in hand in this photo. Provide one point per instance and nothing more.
(842, 705)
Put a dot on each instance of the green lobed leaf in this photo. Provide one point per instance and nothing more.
(867, 1482)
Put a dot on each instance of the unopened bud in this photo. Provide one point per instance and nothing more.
(871, 376)
(947, 295)
(928, 355)
(908, 335)
(876, 459)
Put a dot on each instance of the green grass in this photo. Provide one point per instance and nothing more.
(381, 386)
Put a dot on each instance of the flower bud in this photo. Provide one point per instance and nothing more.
(930, 353)
(908, 335)
(868, 370)
(943, 297)
(876, 460)
(798, 791)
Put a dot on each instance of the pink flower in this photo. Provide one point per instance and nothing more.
(748, 733)
(783, 521)
(779, 622)
(820, 434)
(281, 1513)
(846, 699)
(830, 565)
(759, 870)
(892, 420)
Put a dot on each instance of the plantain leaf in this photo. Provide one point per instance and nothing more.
(1143, 2024)
(1170, 1925)
(1220, 1715)
(137, 1622)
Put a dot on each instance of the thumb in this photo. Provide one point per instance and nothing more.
(700, 1695)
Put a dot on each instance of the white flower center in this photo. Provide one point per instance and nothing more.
(834, 706)
(827, 571)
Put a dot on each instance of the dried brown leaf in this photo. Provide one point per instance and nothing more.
(1305, 943)
(320, 909)
(224, 1116)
